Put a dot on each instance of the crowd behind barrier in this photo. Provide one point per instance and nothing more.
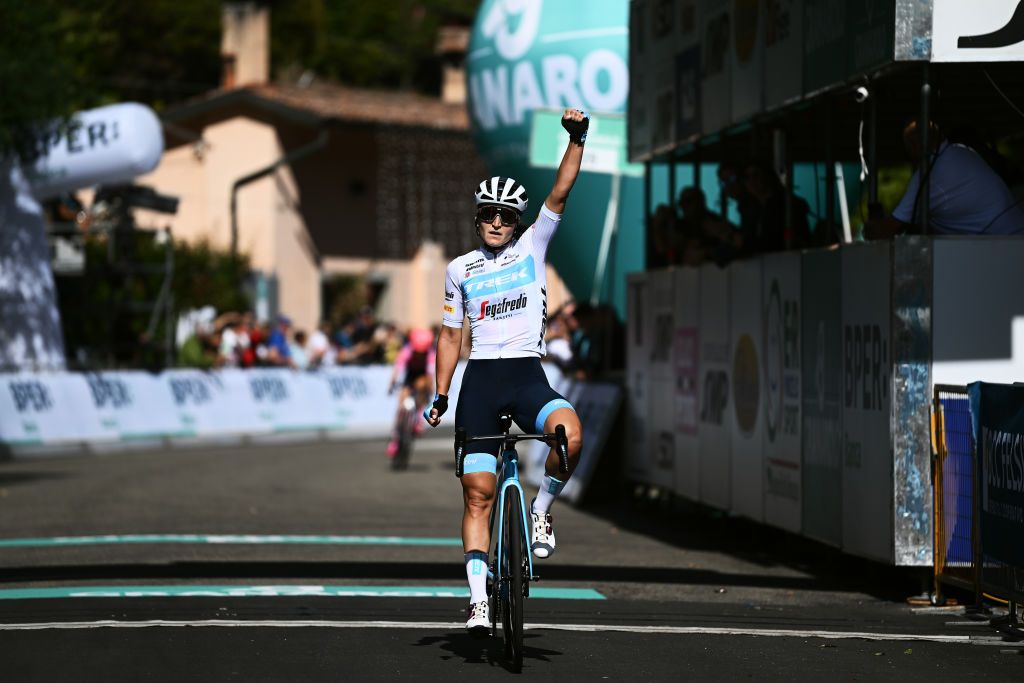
(972, 189)
(979, 490)
(41, 412)
(795, 388)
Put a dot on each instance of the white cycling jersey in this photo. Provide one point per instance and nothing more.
(504, 295)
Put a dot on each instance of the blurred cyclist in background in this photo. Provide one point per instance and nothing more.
(414, 365)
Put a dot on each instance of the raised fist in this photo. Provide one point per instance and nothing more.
(576, 123)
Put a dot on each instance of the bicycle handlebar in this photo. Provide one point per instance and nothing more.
(561, 443)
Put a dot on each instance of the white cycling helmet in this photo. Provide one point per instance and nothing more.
(501, 191)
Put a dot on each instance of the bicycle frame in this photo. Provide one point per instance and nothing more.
(509, 477)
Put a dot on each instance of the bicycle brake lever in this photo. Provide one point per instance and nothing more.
(563, 449)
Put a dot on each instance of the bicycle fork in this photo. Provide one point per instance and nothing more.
(510, 478)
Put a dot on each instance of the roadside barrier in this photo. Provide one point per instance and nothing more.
(998, 418)
(66, 412)
(956, 532)
(795, 389)
(978, 440)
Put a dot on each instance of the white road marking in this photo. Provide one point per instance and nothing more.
(589, 628)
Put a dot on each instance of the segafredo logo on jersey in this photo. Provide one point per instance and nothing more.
(519, 275)
(503, 308)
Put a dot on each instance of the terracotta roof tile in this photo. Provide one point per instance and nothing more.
(368, 106)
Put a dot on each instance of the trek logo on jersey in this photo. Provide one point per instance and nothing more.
(503, 308)
(518, 275)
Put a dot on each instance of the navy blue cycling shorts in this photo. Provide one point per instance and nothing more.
(492, 386)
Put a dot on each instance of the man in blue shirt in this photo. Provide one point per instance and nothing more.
(965, 196)
(278, 351)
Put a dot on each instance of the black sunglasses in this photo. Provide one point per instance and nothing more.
(508, 216)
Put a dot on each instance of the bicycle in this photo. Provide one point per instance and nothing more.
(511, 569)
(406, 423)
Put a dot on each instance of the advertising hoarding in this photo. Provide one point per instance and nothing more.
(638, 348)
(821, 397)
(783, 52)
(747, 388)
(990, 31)
(716, 64)
(749, 23)
(661, 386)
(867, 401)
(782, 360)
(715, 422)
(685, 375)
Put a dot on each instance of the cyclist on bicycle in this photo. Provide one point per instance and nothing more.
(501, 287)
(414, 364)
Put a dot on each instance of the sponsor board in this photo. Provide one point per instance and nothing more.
(999, 435)
(781, 407)
(821, 397)
(990, 31)
(686, 382)
(867, 398)
(747, 388)
(714, 429)
(48, 408)
(638, 360)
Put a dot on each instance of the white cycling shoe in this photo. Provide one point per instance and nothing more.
(479, 621)
(542, 535)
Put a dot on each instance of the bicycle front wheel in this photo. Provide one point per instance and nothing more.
(513, 542)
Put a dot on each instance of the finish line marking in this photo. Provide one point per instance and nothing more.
(452, 625)
(283, 591)
(225, 539)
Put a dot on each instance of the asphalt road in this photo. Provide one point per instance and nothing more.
(294, 561)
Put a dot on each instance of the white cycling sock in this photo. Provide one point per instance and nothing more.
(476, 572)
(549, 490)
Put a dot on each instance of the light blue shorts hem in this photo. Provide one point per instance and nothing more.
(550, 407)
(479, 462)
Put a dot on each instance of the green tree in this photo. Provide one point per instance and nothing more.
(104, 310)
(369, 44)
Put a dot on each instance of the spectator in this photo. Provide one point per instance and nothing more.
(229, 350)
(559, 350)
(391, 344)
(965, 196)
(586, 348)
(278, 350)
(661, 242)
(767, 230)
(200, 348)
(246, 340)
(320, 350)
(343, 340)
(732, 186)
(297, 350)
(705, 234)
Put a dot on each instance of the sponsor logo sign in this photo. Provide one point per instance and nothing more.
(110, 393)
(999, 433)
(30, 396)
(990, 31)
(746, 385)
(487, 284)
(497, 310)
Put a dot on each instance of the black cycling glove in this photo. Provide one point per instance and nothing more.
(577, 129)
(440, 402)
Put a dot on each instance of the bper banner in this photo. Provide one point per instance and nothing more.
(998, 416)
(110, 144)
